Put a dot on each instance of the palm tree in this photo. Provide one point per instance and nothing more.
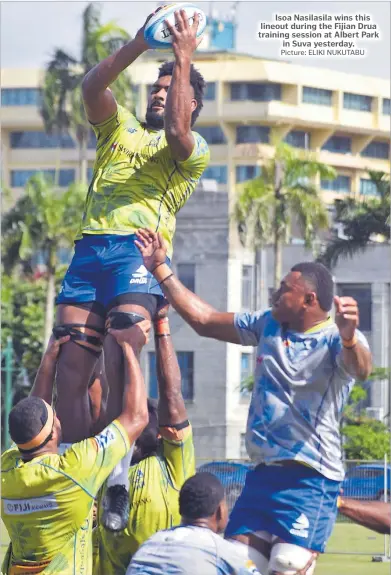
(266, 205)
(363, 221)
(42, 221)
(62, 105)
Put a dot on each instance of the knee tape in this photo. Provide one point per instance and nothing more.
(288, 559)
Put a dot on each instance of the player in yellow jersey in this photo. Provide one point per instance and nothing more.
(143, 174)
(46, 498)
(163, 459)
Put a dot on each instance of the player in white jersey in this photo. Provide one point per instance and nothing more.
(306, 367)
(195, 547)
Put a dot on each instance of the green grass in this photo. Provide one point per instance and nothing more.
(346, 537)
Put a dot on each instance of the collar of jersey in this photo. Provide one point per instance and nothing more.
(315, 329)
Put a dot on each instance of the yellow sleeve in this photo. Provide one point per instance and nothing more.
(195, 165)
(178, 452)
(107, 128)
(91, 461)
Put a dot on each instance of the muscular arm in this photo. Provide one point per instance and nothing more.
(171, 408)
(134, 416)
(202, 317)
(375, 515)
(177, 119)
(99, 101)
(44, 380)
(357, 361)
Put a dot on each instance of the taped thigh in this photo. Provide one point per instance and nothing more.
(88, 337)
(289, 559)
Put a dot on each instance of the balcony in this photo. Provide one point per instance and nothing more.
(45, 157)
(20, 117)
(356, 162)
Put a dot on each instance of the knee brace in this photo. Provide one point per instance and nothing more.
(289, 559)
(88, 337)
(123, 319)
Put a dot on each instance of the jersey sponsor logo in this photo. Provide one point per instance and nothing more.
(105, 438)
(300, 527)
(26, 506)
(121, 148)
(139, 276)
(131, 130)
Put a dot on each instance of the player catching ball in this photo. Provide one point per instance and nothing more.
(305, 369)
(143, 174)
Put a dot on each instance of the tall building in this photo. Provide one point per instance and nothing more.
(249, 102)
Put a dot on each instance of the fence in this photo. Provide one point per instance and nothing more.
(365, 481)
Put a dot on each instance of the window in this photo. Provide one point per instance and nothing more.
(368, 187)
(362, 293)
(210, 92)
(152, 375)
(40, 140)
(20, 97)
(244, 173)
(186, 275)
(255, 91)
(386, 106)
(218, 173)
(247, 287)
(339, 184)
(246, 366)
(377, 150)
(298, 139)
(317, 96)
(338, 144)
(19, 178)
(212, 134)
(91, 140)
(186, 364)
(252, 134)
(357, 102)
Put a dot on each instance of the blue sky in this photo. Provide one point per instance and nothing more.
(31, 30)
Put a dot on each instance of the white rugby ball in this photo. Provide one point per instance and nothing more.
(156, 33)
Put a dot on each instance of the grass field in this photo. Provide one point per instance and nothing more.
(346, 537)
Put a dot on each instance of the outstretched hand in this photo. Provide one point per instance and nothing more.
(152, 248)
(347, 316)
(184, 35)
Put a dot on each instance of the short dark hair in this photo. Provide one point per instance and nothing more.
(321, 281)
(200, 496)
(196, 80)
(27, 419)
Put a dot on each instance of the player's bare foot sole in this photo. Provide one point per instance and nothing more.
(115, 508)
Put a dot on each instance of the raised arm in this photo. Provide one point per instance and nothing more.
(203, 318)
(180, 101)
(44, 380)
(99, 101)
(134, 416)
(356, 357)
(171, 410)
(375, 515)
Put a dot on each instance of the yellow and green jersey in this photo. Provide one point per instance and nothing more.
(136, 182)
(155, 483)
(47, 504)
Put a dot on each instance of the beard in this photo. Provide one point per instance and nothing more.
(154, 119)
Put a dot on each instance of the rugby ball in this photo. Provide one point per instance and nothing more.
(156, 33)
